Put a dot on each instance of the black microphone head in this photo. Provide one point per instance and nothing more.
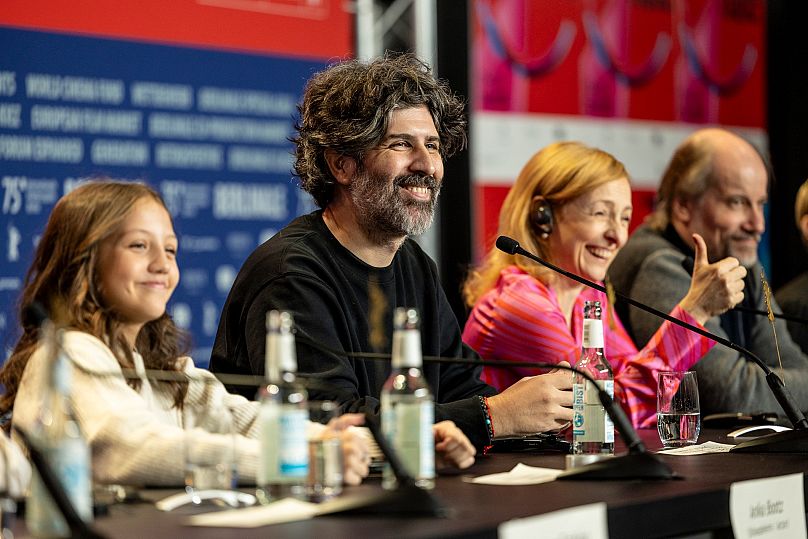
(508, 245)
(34, 314)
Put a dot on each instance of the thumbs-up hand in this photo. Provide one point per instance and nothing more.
(714, 288)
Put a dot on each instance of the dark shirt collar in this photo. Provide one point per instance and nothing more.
(356, 267)
(673, 236)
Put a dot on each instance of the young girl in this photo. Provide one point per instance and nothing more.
(104, 269)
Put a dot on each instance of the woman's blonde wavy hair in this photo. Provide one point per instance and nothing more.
(559, 173)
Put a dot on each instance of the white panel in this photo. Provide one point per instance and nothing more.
(501, 143)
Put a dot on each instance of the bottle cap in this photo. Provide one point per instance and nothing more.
(405, 318)
(406, 339)
(280, 353)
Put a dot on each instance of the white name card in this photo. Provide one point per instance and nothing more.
(768, 508)
(583, 522)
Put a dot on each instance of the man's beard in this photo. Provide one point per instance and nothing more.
(384, 214)
(745, 256)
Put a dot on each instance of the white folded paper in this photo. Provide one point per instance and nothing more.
(700, 449)
(521, 474)
(286, 510)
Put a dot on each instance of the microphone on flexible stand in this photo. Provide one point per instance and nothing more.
(35, 314)
(78, 528)
(637, 464)
(795, 441)
(406, 498)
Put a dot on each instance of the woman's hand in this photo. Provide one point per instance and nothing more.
(355, 450)
(714, 288)
(452, 447)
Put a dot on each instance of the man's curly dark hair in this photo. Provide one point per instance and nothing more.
(346, 108)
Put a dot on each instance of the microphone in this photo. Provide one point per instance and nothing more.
(781, 442)
(688, 264)
(78, 528)
(409, 499)
(637, 464)
(406, 498)
(35, 314)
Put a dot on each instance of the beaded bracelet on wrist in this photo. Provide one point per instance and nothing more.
(489, 425)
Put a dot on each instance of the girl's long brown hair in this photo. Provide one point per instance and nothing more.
(63, 279)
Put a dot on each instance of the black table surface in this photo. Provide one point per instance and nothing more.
(698, 501)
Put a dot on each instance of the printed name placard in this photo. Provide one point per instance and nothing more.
(768, 508)
(582, 522)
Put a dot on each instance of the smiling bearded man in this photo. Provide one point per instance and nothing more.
(370, 148)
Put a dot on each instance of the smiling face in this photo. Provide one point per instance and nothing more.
(590, 229)
(396, 190)
(138, 267)
(730, 214)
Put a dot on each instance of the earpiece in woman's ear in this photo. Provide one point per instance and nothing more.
(541, 217)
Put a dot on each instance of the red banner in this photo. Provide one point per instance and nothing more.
(695, 61)
(633, 77)
(308, 28)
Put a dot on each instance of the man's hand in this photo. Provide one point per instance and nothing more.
(452, 447)
(533, 404)
(714, 288)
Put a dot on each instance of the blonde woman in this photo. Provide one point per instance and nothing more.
(571, 205)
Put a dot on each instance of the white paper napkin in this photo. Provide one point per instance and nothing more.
(286, 510)
(700, 449)
(521, 474)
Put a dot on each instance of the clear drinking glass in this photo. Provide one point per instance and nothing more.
(210, 462)
(678, 413)
(325, 454)
(208, 470)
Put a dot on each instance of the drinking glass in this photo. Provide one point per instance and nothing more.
(325, 454)
(208, 470)
(678, 413)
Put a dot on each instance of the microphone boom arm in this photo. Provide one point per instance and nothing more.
(618, 416)
(781, 393)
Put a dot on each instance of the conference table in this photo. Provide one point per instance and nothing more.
(696, 502)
